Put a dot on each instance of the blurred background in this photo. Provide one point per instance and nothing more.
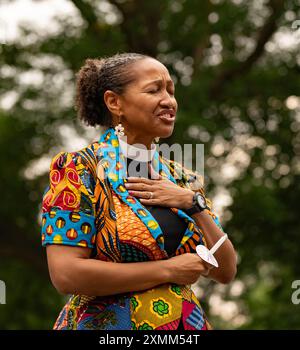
(236, 65)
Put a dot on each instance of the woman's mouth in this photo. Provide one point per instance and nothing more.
(168, 118)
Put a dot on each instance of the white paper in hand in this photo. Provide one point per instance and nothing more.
(208, 255)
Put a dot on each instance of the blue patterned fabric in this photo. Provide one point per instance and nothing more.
(67, 227)
(116, 172)
(196, 319)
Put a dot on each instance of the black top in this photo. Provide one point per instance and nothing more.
(172, 226)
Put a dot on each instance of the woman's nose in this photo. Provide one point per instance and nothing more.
(168, 100)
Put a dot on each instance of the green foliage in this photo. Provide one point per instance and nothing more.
(234, 88)
(31, 301)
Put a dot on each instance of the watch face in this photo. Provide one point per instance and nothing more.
(201, 201)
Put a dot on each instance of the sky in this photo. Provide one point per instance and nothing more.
(38, 13)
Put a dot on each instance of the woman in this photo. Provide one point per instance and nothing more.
(124, 246)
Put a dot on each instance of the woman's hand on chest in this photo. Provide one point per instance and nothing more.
(164, 192)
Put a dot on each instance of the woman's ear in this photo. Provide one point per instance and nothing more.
(112, 101)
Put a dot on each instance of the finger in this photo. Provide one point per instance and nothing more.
(139, 194)
(139, 179)
(137, 186)
(208, 265)
(205, 272)
(148, 201)
(205, 263)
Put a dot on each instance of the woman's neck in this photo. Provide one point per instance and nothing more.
(137, 151)
(146, 144)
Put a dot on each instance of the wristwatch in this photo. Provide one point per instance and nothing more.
(199, 204)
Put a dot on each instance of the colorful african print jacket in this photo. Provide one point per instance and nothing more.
(84, 209)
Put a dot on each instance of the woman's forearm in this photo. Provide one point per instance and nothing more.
(225, 255)
(100, 278)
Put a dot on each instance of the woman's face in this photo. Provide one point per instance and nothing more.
(145, 100)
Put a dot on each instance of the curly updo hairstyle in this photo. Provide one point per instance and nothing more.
(95, 77)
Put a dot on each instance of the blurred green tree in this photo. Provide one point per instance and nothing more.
(236, 68)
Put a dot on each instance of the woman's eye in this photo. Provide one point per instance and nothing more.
(154, 91)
